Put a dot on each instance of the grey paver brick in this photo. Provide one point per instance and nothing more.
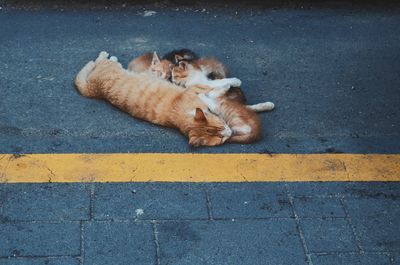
(351, 259)
(379, 233)
(396, 258)
(389, 190)
(327, 235)
(272, 186)
(40, 261)
(317, 188)
(48, 202)
(375, 211)
(372, 206)
(250, 201)
(353, 189)
(245, 242)
(319, 207)
(119, 243)
(120, 201)
(39, 239)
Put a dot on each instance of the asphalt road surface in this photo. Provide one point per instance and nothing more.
(333, 74)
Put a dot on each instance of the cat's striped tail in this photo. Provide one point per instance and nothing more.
(82, 77)
(260, 107)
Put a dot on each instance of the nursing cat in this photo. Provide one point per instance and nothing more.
(152, 99)
(210, 66)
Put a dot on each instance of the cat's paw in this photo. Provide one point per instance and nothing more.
(260, 107)
(102, 56)
(203, 97)
(210, 103)
(90, 65)
(114, 59)
(235, 82)
(269, 106)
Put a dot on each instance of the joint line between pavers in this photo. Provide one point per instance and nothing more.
(82, 245)
(40, 257)
(192, 219)
(323, 218)
(91, 202)
(40, 222)
(156, 242)
(353, 228)
(162, 220)
(209, 205)
(391, 258)
(350, 253)
(299, 229)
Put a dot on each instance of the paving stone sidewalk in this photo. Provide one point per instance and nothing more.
(243, 223)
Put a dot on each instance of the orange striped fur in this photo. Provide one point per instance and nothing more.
(153, 99)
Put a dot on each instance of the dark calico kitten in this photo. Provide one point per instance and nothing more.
(176, 56)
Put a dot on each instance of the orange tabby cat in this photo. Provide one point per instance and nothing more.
(242, 119)
(151, 62)
(153, 99)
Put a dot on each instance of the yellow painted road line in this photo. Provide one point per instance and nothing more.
(197, 167)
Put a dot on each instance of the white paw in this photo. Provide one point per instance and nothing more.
(91, 65)
(269, 105)
(209, 102)
(203, 97)
(102, 56)
(114, 59)
(235, 82)
(227, 132)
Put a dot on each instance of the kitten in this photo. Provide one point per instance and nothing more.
(176, 56)
(152, 99)
(150, 62)
(187, 74)
(211, 67)
(161, 67)
(242, 119)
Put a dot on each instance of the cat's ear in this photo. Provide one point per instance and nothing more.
(178, 58)
(183, 65)
(155, 60)
(199, 116)
(196, 142)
